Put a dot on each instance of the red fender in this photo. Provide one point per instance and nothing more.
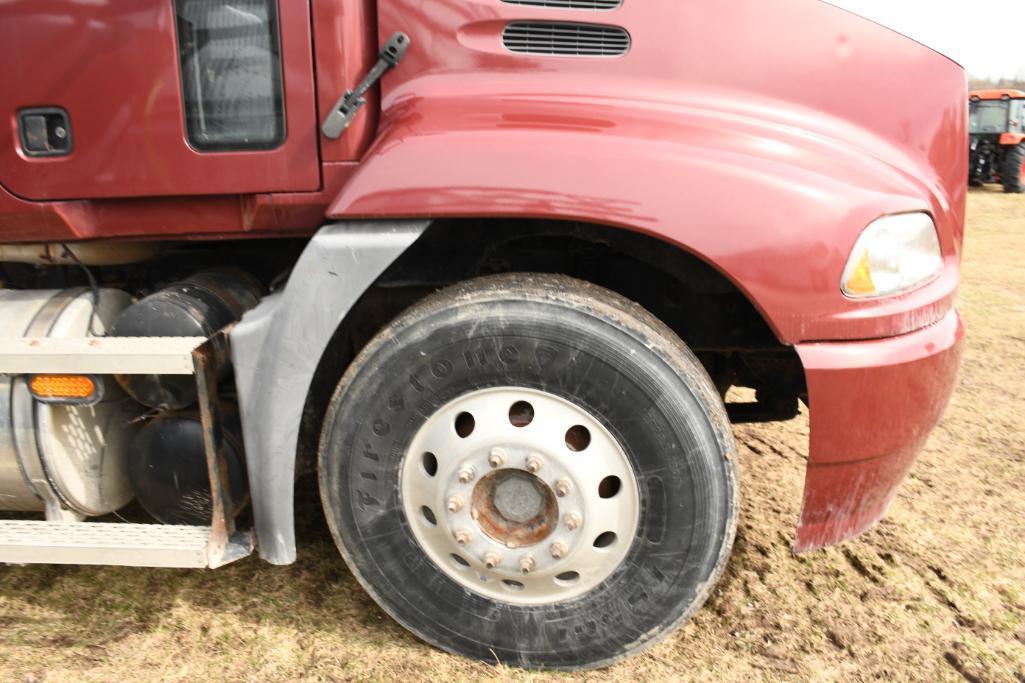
(774, 209)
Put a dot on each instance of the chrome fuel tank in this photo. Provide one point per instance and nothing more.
(68, 460)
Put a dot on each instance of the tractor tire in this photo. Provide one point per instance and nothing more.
(532, 470)
(1012, 172)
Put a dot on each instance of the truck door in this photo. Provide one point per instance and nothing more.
(156, 97)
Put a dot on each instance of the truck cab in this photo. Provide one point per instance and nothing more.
(499, 274)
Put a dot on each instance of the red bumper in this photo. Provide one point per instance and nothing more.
(872, 405)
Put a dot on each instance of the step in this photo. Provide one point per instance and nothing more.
(99, 355)
(119, 543)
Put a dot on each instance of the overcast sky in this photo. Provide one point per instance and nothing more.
(986, 36)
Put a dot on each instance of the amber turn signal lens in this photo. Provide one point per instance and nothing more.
(64, 388)
(860, 280)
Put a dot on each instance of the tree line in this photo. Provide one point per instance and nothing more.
(996, 83)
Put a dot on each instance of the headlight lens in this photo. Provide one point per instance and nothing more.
(894, 254)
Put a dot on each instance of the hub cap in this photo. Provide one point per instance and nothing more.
(520, 495)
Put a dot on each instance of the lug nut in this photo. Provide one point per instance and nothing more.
(534, 463)
(466, 474)
(572, 521)
(558, 550)
(563, 487)
(455, 504)
(492, 559)
(463, 536)
(497, 457)
(527, 564)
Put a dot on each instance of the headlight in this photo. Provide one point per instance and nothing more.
(894, 254)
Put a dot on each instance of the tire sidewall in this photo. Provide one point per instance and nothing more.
(1014, 162)
(654, 400)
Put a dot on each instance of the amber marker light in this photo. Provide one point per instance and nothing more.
(66, 389)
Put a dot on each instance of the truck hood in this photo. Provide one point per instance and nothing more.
(805, 72)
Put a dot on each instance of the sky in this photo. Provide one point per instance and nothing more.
(987, 37)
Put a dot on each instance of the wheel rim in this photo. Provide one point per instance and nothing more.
(520, 495)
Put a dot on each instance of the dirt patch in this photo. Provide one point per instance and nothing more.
(935, 592)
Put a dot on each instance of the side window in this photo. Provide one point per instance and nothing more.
(230, 59)
(1018, 114)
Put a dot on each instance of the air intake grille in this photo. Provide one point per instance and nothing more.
(598, 5)
(565, 38)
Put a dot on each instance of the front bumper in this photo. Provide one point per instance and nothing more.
(872, 405)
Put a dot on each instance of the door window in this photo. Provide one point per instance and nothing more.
(230, 58)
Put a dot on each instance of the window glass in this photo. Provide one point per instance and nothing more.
(230, 60)
(1018, 114)
(989, 116)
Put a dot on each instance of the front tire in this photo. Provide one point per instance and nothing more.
(431, 493)
(1012, 174)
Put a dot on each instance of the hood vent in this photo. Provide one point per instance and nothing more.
(596, 5)
(566, 38)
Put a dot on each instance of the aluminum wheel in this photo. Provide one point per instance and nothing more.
(520, 495)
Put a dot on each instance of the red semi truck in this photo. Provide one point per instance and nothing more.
(488, 268)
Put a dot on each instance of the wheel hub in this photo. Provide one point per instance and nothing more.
(520, 495)
(514, 507)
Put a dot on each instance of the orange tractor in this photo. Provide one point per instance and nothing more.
(997, 128)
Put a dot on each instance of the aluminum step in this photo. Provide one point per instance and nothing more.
(130, 545)
(99, 355)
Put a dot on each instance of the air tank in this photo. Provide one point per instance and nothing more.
(197, 306)
(168, 471)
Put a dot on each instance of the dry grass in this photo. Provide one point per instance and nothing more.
(934, 592)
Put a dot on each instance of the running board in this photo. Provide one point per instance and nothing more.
(125, 544)
(119, 543)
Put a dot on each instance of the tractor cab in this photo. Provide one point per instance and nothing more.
(997, 115)
(997, 128)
